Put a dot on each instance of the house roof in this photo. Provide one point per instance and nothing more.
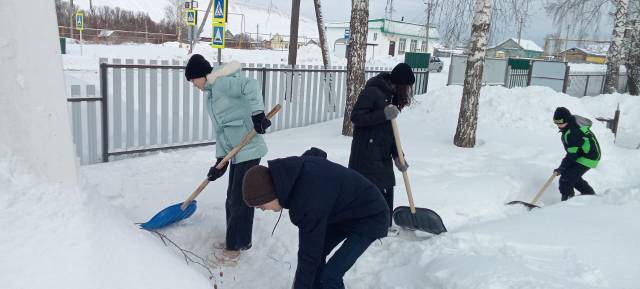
(524, 44)
(585, 51)
(393, 27)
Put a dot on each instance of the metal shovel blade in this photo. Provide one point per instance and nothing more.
(169, 216)
(528, 205)
(423, 220)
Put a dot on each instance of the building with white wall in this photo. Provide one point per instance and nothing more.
(386, 37)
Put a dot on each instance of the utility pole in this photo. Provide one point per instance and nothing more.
(428, 28)
(520, 29)
(72, 19)
(293, 34)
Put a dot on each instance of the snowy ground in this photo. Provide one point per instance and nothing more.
(87, 238)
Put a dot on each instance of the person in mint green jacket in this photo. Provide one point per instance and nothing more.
(235, 106)
(583, 152)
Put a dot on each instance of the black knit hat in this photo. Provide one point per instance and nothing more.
(197, 67)
(561, 115)
(258, 187)
(402, 74)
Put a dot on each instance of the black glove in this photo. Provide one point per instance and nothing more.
(391, 111)
(260, 123)
(402, 168)
(559, 171)
(214, 173)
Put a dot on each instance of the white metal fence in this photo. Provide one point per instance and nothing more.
(144, 106)
(542, 73)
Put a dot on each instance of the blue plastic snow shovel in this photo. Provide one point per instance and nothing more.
(181, 211)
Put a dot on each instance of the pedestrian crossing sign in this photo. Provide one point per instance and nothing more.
(220, 11)
(191, 17)
(80, 20)
(217, 39)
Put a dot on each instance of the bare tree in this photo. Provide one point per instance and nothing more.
(614, 56)
(322, 34)
(583, 15)
(453, 19)
(356, 58)
(468, 117)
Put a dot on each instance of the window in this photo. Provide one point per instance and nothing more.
(414, 45)
(375, 36)
(401, 46)
(423, 47)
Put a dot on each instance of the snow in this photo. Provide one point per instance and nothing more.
(56, 236)
(587, 242)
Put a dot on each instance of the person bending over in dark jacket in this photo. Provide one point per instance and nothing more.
(373, 147)
(329, 204)
(583, 152)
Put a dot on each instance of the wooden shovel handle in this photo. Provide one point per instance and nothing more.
(405, 175)
(245, 140)
(544, 188)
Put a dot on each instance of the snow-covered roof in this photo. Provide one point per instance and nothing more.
(528, 44)
(524, 44)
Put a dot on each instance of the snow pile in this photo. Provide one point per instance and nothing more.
(56, 238)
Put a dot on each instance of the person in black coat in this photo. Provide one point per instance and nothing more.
(373, 147)
(329, 204)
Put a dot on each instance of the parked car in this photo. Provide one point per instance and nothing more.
(435, 64)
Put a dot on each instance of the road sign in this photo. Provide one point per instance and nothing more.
(220, 11)
(347, 34)
(217, 39)
(80, 20)
(191, 17)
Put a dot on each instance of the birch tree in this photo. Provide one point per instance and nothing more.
(322, 34)
(614, 55)
(468, 118)
(632, 61)
(356, 59)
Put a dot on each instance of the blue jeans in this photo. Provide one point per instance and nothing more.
(330, 273)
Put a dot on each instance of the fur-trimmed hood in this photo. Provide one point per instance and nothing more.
(223, 70)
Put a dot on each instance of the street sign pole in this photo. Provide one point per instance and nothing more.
(219, 22)
(80, 26)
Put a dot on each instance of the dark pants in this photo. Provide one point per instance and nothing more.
(572, 178)
(388, 196)
(239, 215)
(329, 274)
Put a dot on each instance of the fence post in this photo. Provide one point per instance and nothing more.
(566, 78)
(529, 73)
(105, 112)
(264, 82)
(586, 87)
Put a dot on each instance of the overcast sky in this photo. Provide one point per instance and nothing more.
(536, 29)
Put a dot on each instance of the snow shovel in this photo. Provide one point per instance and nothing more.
(185, 209)
(413, 218)
(538, 195)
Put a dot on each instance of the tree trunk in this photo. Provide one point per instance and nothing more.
(614, 56)
(468, 117)
(356, 59)
(632, 62)
(322, 35)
